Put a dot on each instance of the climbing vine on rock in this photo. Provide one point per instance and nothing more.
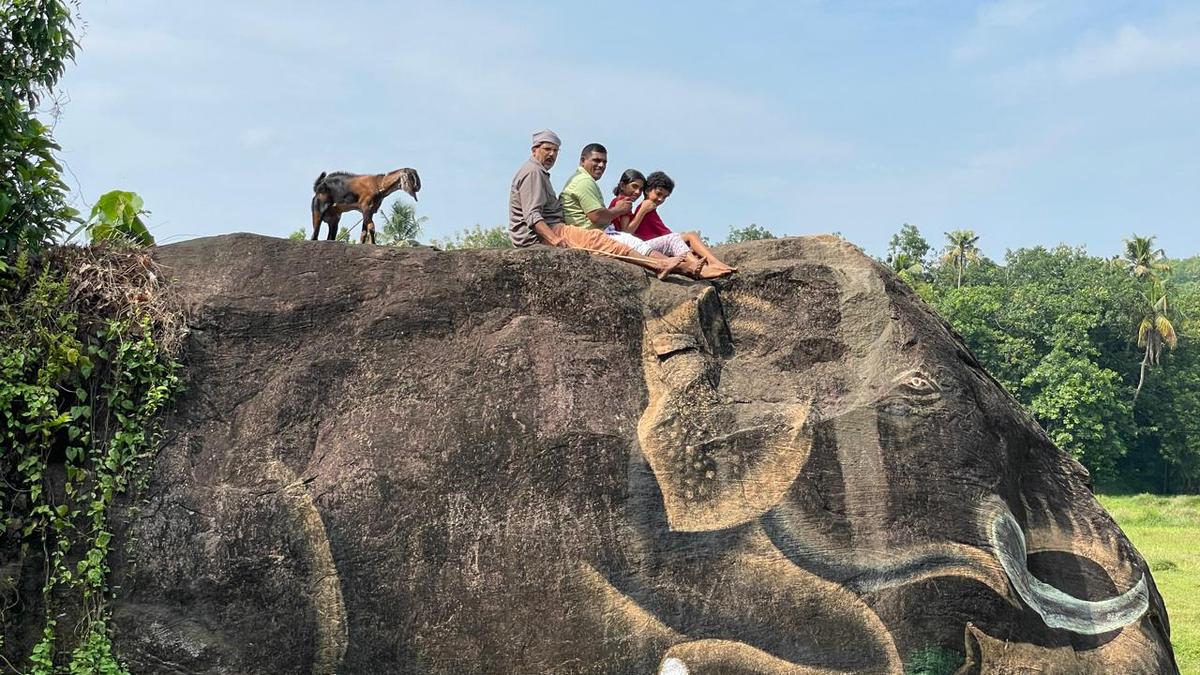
(88, 344)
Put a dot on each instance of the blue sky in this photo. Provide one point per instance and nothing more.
(1030, 122)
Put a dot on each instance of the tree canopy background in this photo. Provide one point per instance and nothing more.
(1072, 336)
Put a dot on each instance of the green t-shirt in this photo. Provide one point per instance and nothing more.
(581, 196)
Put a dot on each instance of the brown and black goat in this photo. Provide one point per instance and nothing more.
(338, 192)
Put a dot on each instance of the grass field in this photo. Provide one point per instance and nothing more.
(1166, 530)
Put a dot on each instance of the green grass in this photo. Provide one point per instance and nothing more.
(1166, 530)
(932, 660)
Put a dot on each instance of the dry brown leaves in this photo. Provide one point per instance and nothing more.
(110, 282)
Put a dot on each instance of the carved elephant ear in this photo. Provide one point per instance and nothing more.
(723, 454)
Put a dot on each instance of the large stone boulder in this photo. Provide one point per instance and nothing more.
(536, 461)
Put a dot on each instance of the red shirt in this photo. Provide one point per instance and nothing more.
(652, 226)
(621, 221)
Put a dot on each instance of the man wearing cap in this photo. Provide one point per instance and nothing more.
(535, 215)
(582, 204)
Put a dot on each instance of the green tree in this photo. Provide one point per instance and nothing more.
(909, 243)
(750, 232)
(961, 250)
(343, 235)
(1155, 331)
(1169, 425)
(476, 237)
(907, 254)
(36, 43)
(1142, 260)
(1168, 456)
(401, 225)
(1053, 326)
(1050, 327)
(1082, 408)
(1185, 270)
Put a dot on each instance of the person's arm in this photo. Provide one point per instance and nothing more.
(533, 192)
(547, 235)
(603, 216)
(646, 207)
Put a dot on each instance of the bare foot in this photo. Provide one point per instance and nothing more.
(714, 272)
(692, 266)
(669, 266)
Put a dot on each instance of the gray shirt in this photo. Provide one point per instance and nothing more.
(530, 200)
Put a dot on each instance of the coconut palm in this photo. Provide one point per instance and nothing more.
(1142, 259)
(960, 250)
(907, 267)
(1155, 331)
(401, 225)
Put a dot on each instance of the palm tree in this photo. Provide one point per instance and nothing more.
(401, 225)
(906, 266)
(1154, 332)
(961, 250)
(1142, 259)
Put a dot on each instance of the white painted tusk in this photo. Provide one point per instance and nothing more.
(1059, 609)
(673, 666)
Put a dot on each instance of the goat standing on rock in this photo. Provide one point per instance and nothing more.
(339, 192)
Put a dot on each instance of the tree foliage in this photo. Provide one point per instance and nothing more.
(961, 250)
(36, 43)
(1186, 270)
(117, 217)
(1060, 330)
(476, 237)
(1155, 330)
(87, 362)
(343, 235)
(1142, 259)
(401, 225)
(751, 232)
(909, 243)
(908, 254)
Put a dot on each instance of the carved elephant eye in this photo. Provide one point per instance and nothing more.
(913, 386)
(919, 384)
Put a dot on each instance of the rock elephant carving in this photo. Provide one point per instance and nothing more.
(539, 462)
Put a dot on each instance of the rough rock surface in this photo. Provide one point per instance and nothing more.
(410, 461)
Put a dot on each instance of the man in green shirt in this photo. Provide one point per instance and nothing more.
(581, 201)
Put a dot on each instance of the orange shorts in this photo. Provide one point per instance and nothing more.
(592, 240)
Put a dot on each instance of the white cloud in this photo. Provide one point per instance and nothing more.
(994, 23)
(1160, 44)
(515, 79)
(1131, 50)
(929, 196)
(1008, 13)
